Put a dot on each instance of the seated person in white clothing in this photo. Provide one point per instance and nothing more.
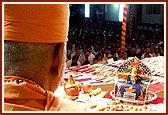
(73, 62)
(107, 54)
(123, 56)
(100, 59)
(87, 58)
(78, 53)
(91, 55)
(148, 52)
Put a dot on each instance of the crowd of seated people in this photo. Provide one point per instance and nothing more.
(98, 43)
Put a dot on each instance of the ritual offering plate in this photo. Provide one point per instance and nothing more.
(149, 98)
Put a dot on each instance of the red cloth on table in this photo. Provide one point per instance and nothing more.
(158, 100)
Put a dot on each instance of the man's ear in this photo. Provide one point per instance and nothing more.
(58, 59)
(57, 67)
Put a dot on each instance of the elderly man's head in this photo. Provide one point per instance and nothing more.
(35, 38)
(42, 63)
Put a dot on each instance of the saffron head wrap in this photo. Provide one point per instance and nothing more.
(37, 23)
